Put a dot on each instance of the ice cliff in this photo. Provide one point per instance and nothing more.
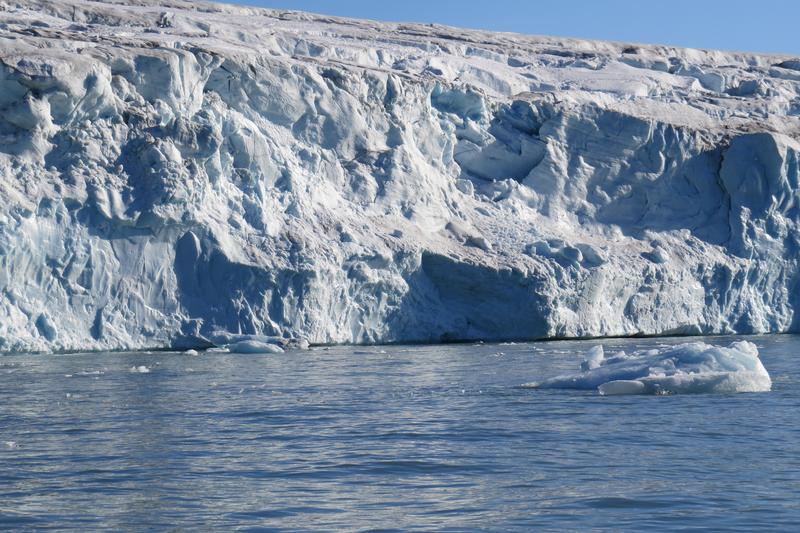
(183, 174)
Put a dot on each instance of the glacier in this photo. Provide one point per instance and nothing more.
(179, 174)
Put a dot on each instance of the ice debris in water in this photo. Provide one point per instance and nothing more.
(253, 346)
(695, 367)
(218, 349)
(139, 369)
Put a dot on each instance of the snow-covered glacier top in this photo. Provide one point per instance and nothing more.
(185, 174)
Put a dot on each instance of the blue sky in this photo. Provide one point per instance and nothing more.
(755, 25)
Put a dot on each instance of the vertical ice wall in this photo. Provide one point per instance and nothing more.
(182, 174)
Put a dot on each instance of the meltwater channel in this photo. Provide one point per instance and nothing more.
(389, 438)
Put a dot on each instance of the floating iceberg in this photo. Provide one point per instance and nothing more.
(253, 347)
(695, 367)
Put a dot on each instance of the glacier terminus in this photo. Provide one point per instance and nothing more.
(181, 174)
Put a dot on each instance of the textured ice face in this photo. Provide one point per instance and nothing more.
(175, 176)
(688, 368)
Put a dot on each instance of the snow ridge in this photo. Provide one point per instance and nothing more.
(184, 174)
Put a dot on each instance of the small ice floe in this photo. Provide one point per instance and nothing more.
(694, 367)
(253, 347)
(11, 445)
(139, 370)
(300, 344)
(90, 373)
(218, 349)
(249, 344)
(370, 352)
(191, 352)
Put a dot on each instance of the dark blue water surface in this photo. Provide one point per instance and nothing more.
(392, 438)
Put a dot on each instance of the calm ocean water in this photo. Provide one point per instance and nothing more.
(391, 438)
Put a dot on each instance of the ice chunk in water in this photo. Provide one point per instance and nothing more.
(622, 386)
(594, 358)
(252, 346)
(694, 367)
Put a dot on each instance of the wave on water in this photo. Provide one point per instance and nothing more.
(689, 368)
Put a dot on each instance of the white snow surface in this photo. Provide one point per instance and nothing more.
(687, 368)
(176, 174)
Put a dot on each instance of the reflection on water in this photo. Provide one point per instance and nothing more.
(426, 437)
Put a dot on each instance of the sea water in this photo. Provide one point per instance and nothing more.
(389, 438)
